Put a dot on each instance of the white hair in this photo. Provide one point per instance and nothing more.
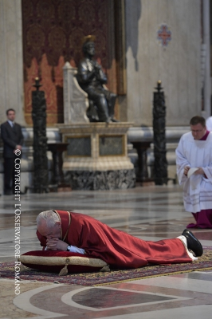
(50, 217)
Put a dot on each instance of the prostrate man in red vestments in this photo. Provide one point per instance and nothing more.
(64, 230)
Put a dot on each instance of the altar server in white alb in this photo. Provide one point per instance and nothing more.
(194, 170)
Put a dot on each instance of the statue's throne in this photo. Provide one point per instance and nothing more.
(77, 106)
(75, 99)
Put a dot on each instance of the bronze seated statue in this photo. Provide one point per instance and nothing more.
(91, 79)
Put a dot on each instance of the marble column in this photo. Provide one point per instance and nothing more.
(11, 59)
(206, 68)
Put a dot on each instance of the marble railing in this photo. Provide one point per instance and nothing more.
(135, 134)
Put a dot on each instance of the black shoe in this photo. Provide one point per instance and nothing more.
(193, 243)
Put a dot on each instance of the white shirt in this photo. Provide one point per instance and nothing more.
(11, 123)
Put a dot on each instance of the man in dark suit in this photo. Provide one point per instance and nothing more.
(12, 137)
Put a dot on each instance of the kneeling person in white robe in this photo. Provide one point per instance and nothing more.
(194, 170)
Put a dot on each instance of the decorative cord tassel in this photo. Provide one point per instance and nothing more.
(22, 268)
(105, 268)
(64, 270)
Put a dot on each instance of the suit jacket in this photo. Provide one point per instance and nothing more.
(11, 137)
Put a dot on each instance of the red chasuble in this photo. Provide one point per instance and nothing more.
(118, 249)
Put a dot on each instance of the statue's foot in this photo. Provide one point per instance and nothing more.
(113, 120)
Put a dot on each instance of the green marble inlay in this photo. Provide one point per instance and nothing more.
(111, 145)
(80, 146)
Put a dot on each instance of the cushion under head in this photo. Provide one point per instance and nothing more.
(62, 261)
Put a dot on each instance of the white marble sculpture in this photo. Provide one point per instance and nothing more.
(75, 99)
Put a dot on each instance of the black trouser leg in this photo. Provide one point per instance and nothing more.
(8, 175)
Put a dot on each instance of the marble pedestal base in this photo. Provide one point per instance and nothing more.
(101, 180)
(96, 156)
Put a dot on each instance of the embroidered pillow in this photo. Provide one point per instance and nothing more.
(63, 262)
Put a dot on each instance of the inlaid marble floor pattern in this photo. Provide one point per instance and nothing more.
(150, 213)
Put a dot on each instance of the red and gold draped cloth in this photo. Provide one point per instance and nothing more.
(52, 34)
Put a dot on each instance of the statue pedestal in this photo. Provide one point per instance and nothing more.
(96, 156)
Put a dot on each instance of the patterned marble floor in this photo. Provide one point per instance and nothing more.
(151, 213)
